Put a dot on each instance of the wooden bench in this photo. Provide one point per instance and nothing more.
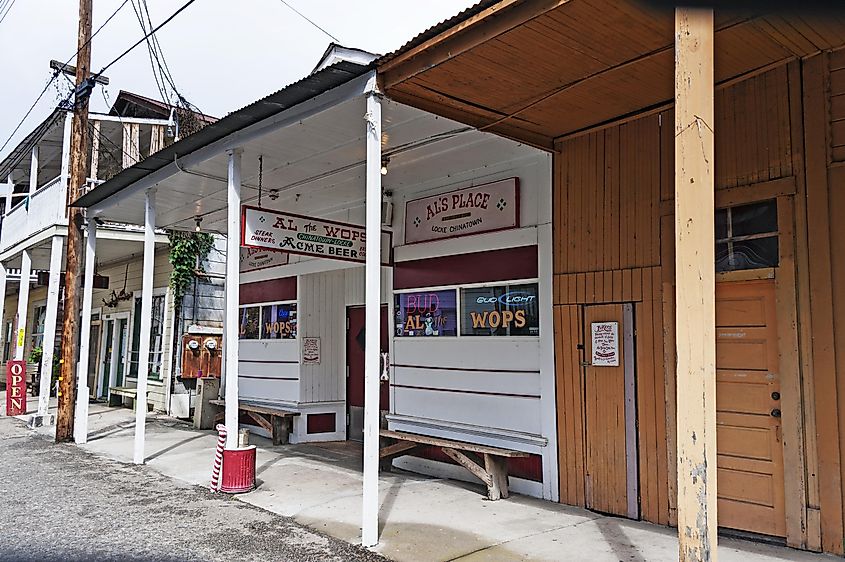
(118, 393)
(275, 421)
(493, 472)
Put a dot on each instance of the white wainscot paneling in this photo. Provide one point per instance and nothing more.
(462, 383)
(268, 371)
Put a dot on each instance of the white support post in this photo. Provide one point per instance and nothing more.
(695, 284)
(146, 325)
(49, 343)
(80, 424)
(23, 305)
(372, 347)
(231, 335)
(33, 172)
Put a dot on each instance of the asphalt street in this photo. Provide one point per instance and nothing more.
(60, 503)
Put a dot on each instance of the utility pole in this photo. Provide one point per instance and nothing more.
(78, 161)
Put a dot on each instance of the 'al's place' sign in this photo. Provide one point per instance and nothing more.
(483, 208)
(307, 236)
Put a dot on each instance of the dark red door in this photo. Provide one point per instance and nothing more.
(355, 343)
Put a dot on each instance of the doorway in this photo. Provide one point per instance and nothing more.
(93, 355)
(114, 346)
(748, 423)
(355, 344)
(611, 463)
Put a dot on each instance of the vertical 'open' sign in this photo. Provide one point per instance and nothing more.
(15, 388)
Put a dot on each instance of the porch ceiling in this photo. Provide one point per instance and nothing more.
(317, 166)
(536, 71)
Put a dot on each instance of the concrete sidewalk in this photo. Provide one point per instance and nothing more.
(422, 518)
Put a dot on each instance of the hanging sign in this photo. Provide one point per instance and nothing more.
(310, 351)
(307, 236)
(605, 344)
(15, 388)
(483, 208)
(253, 259)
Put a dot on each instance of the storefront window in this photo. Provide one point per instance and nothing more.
(747, 237)
(426, 313)
(156, 338)
(278, 322)
(39, 318)
(500, 310)
(250, 323)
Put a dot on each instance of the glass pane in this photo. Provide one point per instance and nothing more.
(426, 313)
(757, 218)
(250, 322)
(504, 310)
(278, 321)
(722, 258)
(136, 339)
(721, 224)
(156, 337)
(751, 254)
(123, 332)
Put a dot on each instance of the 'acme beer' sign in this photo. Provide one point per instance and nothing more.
(307, 236)
(15, 388)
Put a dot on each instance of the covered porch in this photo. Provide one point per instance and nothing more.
(331, 153)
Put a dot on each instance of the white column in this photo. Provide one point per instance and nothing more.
(33, 171)
(231, 334)
(23, 305)
(49, 343)
(695, 284)
(80, 424)
(65, 169)
(146, 325)
(369, 524)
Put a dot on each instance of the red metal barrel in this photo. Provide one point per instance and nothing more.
(238, 470)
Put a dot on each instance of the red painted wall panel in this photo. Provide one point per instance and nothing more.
(477, 267)
(283, 289)
(321, 423)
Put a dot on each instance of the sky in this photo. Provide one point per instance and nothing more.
(222, 54)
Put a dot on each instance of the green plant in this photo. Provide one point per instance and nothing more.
(188, 250)
(36, 354)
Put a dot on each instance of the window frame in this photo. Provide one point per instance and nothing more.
(128, 374)
(730, 239)
(260, 306)
(459, 308)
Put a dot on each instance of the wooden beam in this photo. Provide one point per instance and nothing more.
(470, 465)
(462, 37)
(695, 284)
(396, 449)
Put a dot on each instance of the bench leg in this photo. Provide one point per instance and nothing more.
(497, 468)
(281, 430)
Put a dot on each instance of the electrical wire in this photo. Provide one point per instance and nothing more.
(144, 38)
(8, 9)
(57, 72)
(303, 16)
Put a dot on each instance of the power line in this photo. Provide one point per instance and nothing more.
(8, 9)
(56, 73)
(306, 18)
(144, 38)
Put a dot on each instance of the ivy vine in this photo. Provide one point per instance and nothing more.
(188, 251)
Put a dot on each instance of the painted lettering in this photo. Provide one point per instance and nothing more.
(285, 224)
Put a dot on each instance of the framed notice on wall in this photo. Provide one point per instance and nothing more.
(310, 351)
(483, 208)
(605, 344)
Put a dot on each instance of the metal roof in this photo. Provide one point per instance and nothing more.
(275, 103)
(437, 29)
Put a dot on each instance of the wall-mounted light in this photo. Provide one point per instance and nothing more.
(384, 162)
(198, 227)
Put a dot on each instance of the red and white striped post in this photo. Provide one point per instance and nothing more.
(218, 457)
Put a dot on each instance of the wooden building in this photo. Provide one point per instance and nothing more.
(592, 83)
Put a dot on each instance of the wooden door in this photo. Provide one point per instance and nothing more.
(749, 447)
(355, 344)
(606, 486)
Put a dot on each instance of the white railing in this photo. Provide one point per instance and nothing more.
(46, 208)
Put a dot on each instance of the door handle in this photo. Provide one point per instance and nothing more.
(586, 364)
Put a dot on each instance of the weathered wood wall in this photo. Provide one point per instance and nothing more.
(779, 134)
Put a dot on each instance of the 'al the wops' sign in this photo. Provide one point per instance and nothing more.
(15, 388)
(483, 208)
(307, 236)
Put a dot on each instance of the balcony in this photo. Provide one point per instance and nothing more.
(46, 208)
